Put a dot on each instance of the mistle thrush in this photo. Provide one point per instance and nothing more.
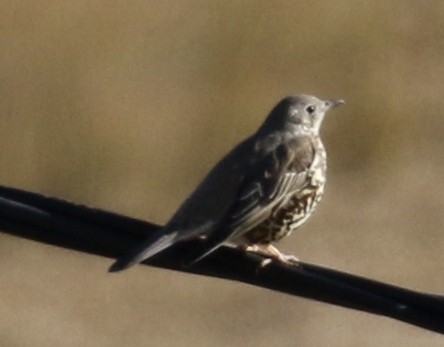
(260, 192)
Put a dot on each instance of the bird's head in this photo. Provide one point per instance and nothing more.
(300, 115)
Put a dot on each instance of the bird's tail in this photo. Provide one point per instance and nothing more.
(155, 244)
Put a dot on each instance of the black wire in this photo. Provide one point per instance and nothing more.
(65, 224)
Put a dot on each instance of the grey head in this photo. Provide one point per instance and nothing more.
(299, 115)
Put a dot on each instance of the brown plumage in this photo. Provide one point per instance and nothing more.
(262, 190)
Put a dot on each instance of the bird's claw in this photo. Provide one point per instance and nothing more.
(282, 258)
(271, 254)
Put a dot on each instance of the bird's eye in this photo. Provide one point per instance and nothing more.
(310, 109)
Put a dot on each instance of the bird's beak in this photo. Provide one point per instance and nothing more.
(334, 103)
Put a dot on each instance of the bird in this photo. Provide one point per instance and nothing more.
(260, 192)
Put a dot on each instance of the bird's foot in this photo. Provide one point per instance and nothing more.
(272, 254)
(286, 259)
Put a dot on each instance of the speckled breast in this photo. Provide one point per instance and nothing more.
(298, 208)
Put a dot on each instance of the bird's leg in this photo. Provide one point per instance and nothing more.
(272, 253)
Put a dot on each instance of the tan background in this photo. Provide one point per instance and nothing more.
(125, 105)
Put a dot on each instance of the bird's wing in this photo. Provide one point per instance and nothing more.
(153, 245)
(198, 214)
(268, 183)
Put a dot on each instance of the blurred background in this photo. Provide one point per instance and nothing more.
(125, 105)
